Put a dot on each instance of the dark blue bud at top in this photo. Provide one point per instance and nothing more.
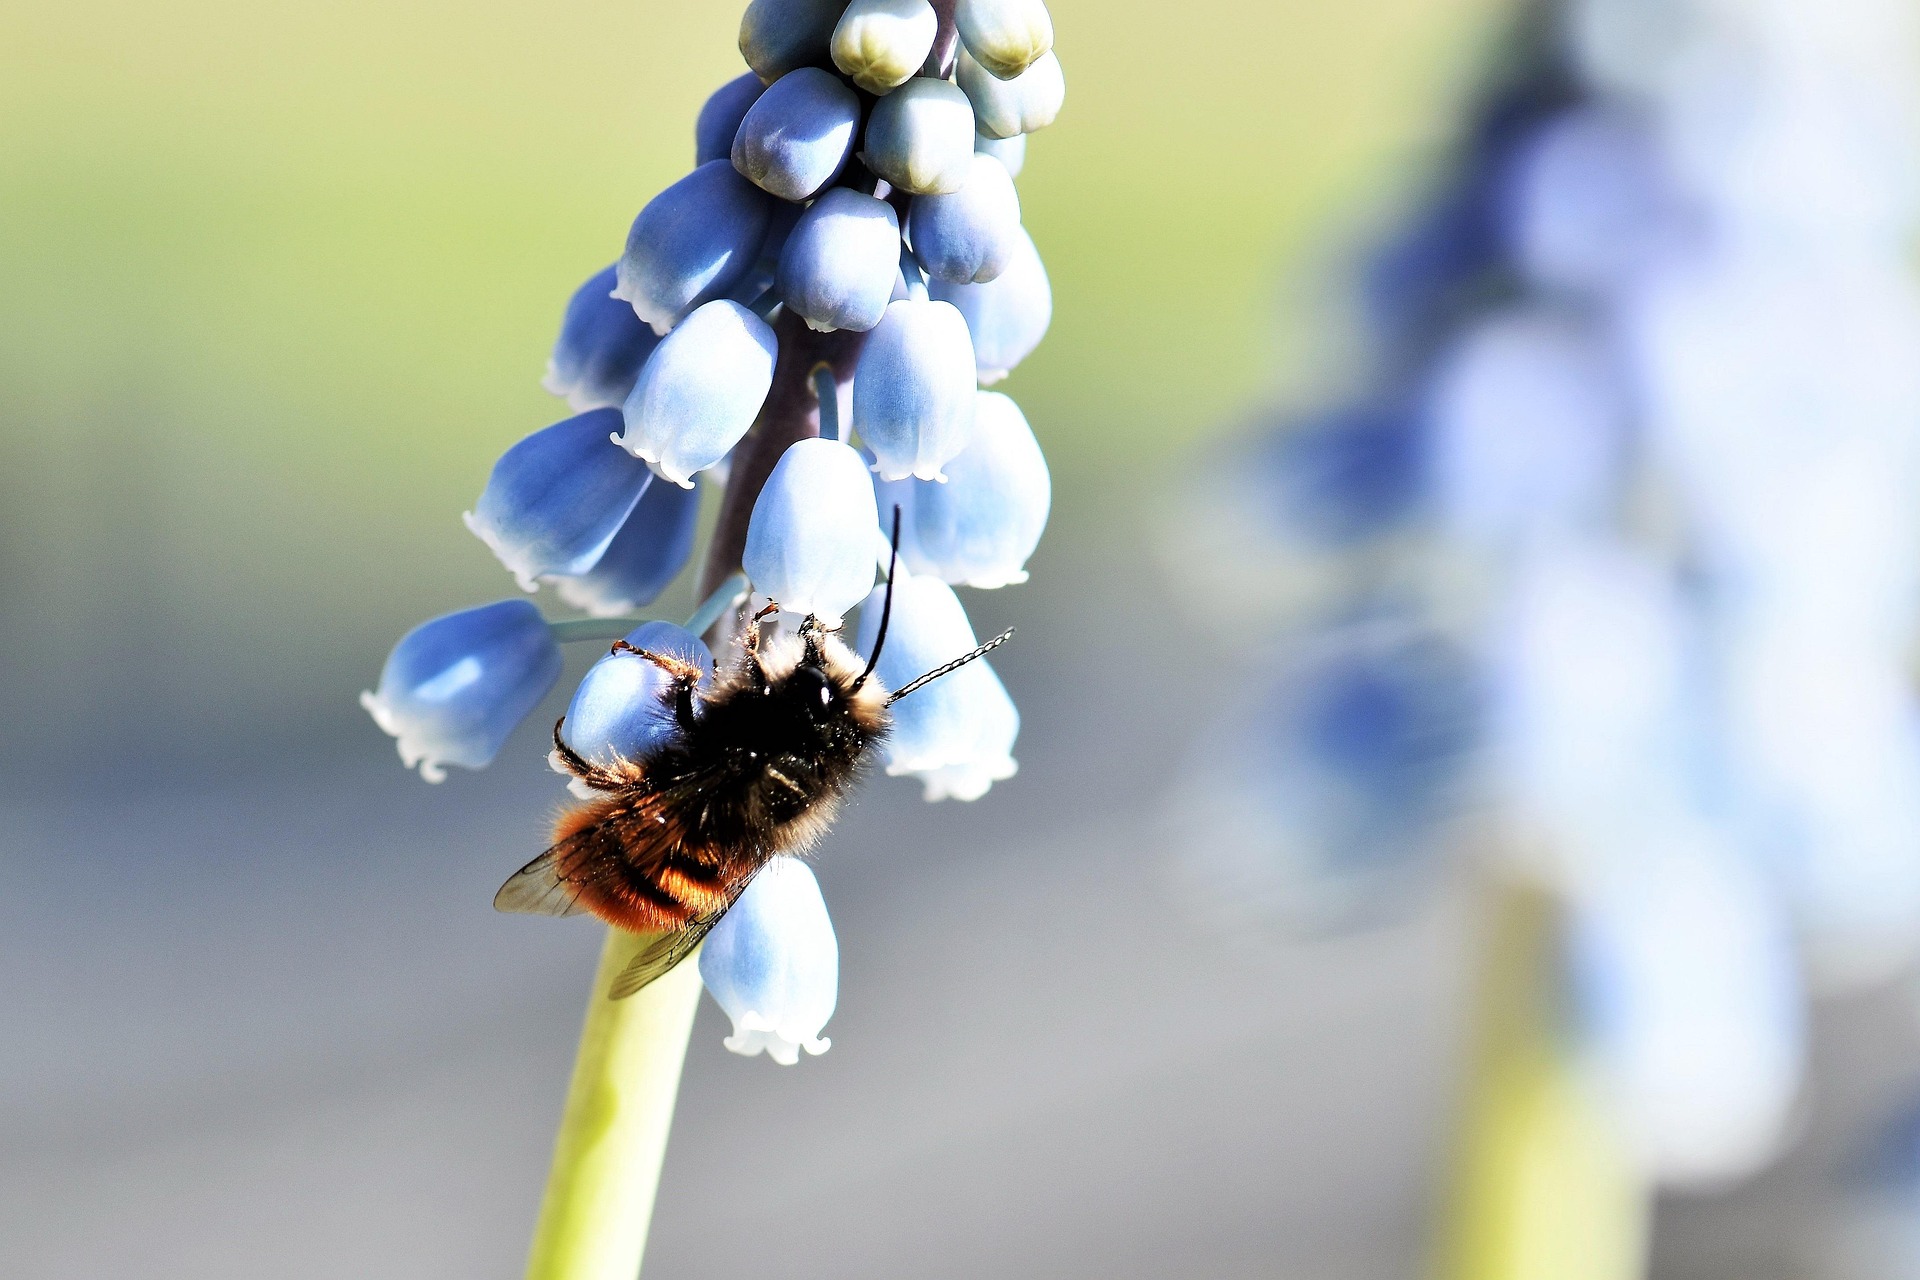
(721, 116)
(601, 347)
(555, 500)
(647, 554)
(796, 138)
(693, 243)
(970, 235)
(778, 35)
(455, 687)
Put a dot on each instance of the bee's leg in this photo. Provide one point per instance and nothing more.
(580, 767)
(686, 676)
(750, 638)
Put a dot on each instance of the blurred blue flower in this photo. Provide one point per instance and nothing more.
(796, 137)
(700, 391)
(601, 347)
(773, 964)
(1008, 315)
(719, 120)
(647, 554)
(455, 687)
(694, 242)
(555, 500)
(621, 709)
(979, 527)
(839, 265)
(1348, 474)
(913, 390)
(812, 539)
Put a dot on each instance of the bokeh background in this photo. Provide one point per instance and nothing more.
(276, 286)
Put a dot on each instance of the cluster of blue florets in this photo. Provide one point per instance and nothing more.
(1613, 547)
(848, 249)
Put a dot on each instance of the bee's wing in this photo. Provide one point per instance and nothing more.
(542, 888)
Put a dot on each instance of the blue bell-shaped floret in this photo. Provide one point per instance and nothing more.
(720, 117)
(1008, 315)
(838, 267)
(1025, 104)
(455, 687)
(881, 44)
(920, 137)
(601, 347)
(694, 242)
(796, 138)
(979, 527)
(968, 236)
(913, 390)
(778, 35)
(812, 537)
(1010, 152)
(1004, 36)
(955, 734)
(555, 500)
(647, 554)
(700, 391)
(774, 965)
(623, 709)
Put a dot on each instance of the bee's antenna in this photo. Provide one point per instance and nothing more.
(955, 665)
(886, 602)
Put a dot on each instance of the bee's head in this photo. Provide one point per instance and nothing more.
(816, 678)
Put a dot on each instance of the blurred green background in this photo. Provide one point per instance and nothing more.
(277, 284)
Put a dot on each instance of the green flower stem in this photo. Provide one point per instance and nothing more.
(726, 596)
(613, 1135)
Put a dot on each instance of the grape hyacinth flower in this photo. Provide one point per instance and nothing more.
(767, 326)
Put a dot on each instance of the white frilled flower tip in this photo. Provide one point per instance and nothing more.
(774, 965)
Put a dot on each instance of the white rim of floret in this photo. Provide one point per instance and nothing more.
(573, 590)
(988, 377)
(967, 782)
(528, 576)
(753, 1035)
(550, 383)
(655, 463)
(412, 751)
(993, 582)
(937, 474)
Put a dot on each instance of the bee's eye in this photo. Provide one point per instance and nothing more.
(826, 696)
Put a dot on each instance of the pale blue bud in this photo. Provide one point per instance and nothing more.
(968, 236)
(881, 43)
(555, 500)
(1011, 152)
(796, 138)
(720, 118)
(913, 390)
(1025, 104)
(839, 266)
(623, 709)
(1008, 315)
(647, 554)
(693, 243)
(601, 347)
(955, 734)
(700, 391)
(810, 541)
(778, 35)
(920, 137)
(1004, 36)
(979, 527)
(454, 688)
(774, 965)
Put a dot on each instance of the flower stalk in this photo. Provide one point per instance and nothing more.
(613, 1135)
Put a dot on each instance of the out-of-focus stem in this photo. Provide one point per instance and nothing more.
(1543, 1184)
(613, 1135)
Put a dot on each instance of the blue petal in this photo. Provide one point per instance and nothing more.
(796, 138)
(601, 347)
(778, 35)
(838, 268)
(1010, 152)
(773, 964)
(555, 500)
(920, 137)
(913, 390)
(692, 243)
(970, 235)
(1028, 102)
(647, 554)
(1008, 315)
(700, 391)
(814, 532)
(455, 687)
(720, 118)
(979, 527)
(623, 709)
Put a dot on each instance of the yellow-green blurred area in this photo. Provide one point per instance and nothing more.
(277, 282)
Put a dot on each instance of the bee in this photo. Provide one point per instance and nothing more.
(758, 769)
